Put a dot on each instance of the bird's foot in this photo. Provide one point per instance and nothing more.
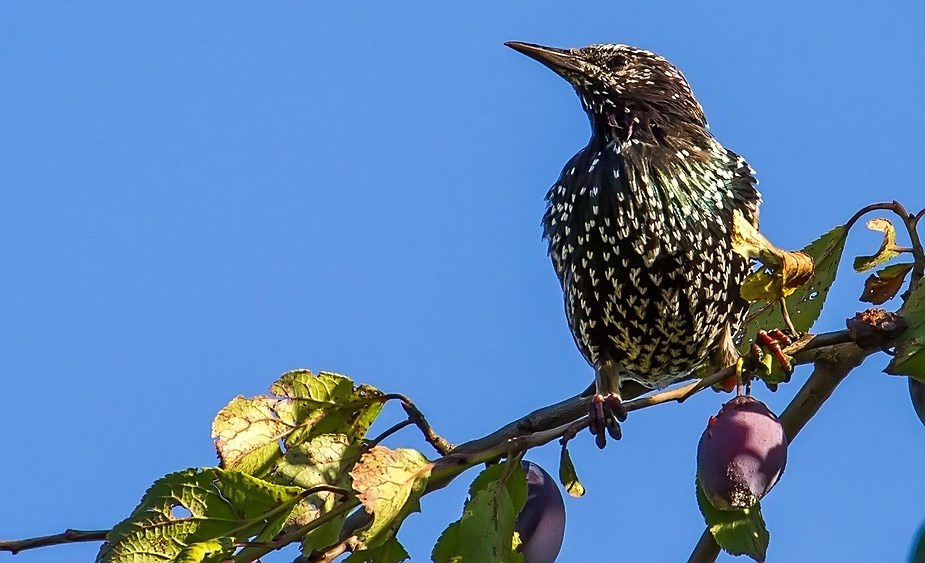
(605, 414)
(772, 340)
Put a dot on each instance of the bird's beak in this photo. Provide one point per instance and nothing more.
(561, 61)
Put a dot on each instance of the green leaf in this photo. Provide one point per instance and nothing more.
(248, 431)
(804, 304)
(323, 460)
(207, 551)
(389, 552)
(389, 483)
(739, 532)
(327, 403)
(486, 530)
(910, 350)
(567, 475)
(888, 249)
(194, 507)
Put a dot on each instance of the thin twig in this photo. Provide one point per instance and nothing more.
(786, 314)
(882, 206)
(910, 221)
(255, 552)
(918, 216)
(331, 553)
(68, 536)
(417, 417)
(392, 430)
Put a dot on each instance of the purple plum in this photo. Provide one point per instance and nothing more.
(541, 523)
(917, 392)
(741, 454)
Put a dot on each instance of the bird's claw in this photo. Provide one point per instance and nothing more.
(772, 340)
(605, 414)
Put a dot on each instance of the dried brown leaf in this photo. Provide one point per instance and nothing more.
(883, 285)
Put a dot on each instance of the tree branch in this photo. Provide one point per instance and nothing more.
(535, 429)
(68, 536)
(554, 421)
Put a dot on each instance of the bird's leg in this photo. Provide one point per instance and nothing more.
(739, 375)
(606, 410)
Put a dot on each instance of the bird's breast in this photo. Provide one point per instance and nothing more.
(646, 269)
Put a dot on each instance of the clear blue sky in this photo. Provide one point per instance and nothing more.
(195, 198)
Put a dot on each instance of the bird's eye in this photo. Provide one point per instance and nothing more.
(615, 62)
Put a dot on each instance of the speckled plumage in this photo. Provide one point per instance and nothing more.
(638, 224)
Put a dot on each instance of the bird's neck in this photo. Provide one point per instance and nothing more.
(625, 125)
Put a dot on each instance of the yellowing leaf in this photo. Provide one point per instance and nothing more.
(567, 475)
(784, 271)
(804, 304)
(771, 285)
(748, 242)
(389, 483)
(888, 249)
(247, 433)
(304, 405)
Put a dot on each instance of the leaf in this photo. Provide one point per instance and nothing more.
(888, 249)
(805, 304)
(567, 475)
(910, 350)
(323, 460)
(785, 271)
(193, 507)
(883, 285)
(248, 432)
(329, 402)
(324, 535)
(486, 530)
(765, 285)
(389, 552)
(389, 483)
(739, 532)
(211, 550)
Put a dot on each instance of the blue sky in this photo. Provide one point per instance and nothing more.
(195, 198)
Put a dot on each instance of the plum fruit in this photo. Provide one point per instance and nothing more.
(541, 523)
(741, 454)
(917, 392)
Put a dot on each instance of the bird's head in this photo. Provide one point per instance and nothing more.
(627, 92)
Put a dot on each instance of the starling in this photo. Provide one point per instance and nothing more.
(639, 226)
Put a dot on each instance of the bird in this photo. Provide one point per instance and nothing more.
(639, 226)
